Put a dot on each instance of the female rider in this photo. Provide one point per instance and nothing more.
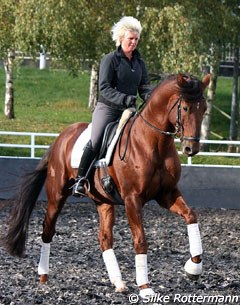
(122, 76)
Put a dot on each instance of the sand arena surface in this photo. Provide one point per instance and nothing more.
(77, 272)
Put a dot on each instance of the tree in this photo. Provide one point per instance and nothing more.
(180, 39)
(174, 39)
(7, 48)
(234, 38)
(70, 31)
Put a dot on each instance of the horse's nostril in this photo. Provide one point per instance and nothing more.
(188, 150)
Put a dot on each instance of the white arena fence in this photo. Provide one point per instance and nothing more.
(33, 139)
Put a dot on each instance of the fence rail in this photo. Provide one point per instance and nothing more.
(33, 146)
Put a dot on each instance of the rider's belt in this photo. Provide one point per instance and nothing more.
(110, 104)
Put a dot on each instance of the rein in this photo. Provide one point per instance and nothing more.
(121, 157)
(178, 128)
(178, 125)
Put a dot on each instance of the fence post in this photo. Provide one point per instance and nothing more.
(32, 145)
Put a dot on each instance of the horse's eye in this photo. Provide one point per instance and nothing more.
(185, 108)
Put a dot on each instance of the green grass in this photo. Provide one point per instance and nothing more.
(46, 100)
(50, 100)
(220, 124)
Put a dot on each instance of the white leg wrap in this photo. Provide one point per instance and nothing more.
(141, 269)
(113, 270)
(193, 268)
(195, 242)
(43, 266)
(146, 292)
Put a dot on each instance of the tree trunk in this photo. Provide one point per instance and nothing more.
(206, 124)
(234, 106)
(9, 93)
(214, 68)
(42, 59)
(93, 95)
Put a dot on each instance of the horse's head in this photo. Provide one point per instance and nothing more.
(191, 105)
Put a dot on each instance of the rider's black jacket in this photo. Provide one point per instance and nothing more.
(120, 77)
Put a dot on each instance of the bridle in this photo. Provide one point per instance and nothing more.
(179, 128)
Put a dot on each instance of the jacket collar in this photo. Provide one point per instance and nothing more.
(120, 53)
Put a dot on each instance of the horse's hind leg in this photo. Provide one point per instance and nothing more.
(105, 236)
(54, 207)
(176, 204)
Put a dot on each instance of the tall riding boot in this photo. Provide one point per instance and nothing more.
(87, 158)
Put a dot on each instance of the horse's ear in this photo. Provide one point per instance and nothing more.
(182, 80)
(206, 80)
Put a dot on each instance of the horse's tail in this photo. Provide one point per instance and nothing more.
(30, 188)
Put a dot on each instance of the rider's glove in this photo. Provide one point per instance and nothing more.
(130, 100)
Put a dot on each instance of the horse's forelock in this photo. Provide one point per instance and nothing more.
(191, 90)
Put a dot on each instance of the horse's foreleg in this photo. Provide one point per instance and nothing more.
(107, 218)
(134, 215)
(176, 204)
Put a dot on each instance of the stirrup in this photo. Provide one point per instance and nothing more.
(76, 192)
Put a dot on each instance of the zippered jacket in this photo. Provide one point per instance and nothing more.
(120, 78)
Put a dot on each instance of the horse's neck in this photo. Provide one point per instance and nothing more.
(154, 121)
(156, 112)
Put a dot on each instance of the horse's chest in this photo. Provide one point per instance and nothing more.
(171, 172)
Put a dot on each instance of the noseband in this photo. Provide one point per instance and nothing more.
(178, 126)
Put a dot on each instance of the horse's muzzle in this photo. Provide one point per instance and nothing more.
(190, 146)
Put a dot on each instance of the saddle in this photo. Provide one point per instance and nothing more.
(109, 134)
(112, 133)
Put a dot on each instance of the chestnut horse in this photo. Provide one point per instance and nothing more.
(175, 108)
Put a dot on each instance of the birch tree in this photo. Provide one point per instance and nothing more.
(234, 39)
(71, 31)
(7, 49)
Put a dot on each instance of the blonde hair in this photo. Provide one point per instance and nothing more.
(125, 24)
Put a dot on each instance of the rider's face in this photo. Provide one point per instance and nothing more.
(129, 41)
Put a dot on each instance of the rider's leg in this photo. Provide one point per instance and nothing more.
(102, 115)
(87, 158)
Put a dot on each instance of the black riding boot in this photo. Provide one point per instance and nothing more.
(87, 158)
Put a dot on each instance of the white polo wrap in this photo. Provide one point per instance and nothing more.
(43, 266)
(141, 269)
(112, 266)
(193, 268)
(195, 242)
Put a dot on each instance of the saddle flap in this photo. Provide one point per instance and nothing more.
(109, 134)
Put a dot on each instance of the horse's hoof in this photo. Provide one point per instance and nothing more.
(120, 286)
(193, 277)
(146, 292)
(43, 278)
(193, 270)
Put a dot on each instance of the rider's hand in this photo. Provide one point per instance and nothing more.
(130, 100)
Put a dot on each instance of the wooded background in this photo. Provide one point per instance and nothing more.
(178, 36)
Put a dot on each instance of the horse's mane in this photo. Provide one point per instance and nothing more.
(191, 89)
